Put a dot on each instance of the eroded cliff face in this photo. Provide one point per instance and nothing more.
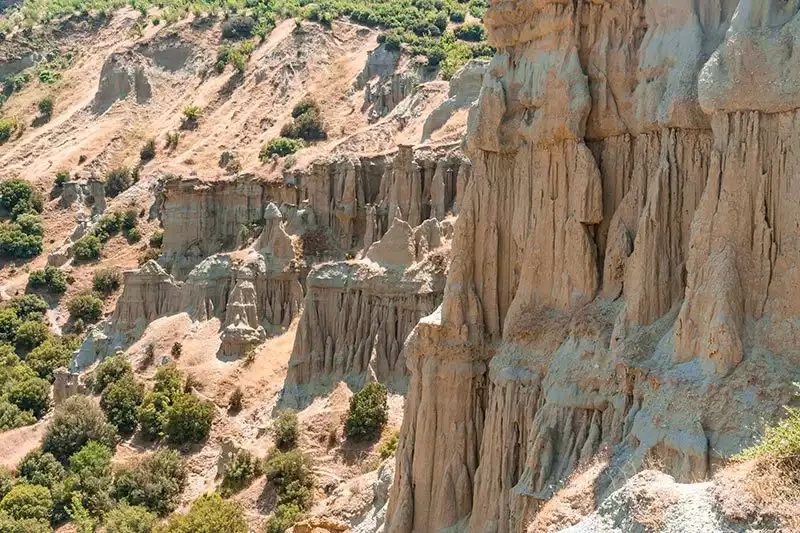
(622, 265)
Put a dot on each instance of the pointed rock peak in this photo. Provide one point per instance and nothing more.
(396, 248)
(152, 268)
(272, 212)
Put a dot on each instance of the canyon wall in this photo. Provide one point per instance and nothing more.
(622, 267)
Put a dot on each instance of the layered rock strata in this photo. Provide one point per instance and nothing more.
(621, 271)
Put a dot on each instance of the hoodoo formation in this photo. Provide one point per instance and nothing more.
(380, 266)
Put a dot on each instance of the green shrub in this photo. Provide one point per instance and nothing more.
(90, 467)
(173, 139)
(471, 31)
(305, 105)
(77, 421)
(457, 16)
(18, 192)
(108, 226)
(780, 441)
(307, 126)
(8, 125)
(129, 219)
(6, 481)
(28, 502)
(238, 27)
(240, 471)
(177, 349)
(152, 415)
(156, 482)
(368, 413)
(280, 147)
(41, 468)
(107, 280)
(12, 416)
(51, 354)
(87, 248)
(31, 395)
(9, 324)
(30, 224)
(50, 278)
(46, 106)
(26, 525)
(168, 380)
(29, 307)
(120, 400)
(111, 370)
(31, 334)
(129, 519)
(284, 517)
(157, 239)
(62, 177)
(189, 419)
(133, 235)
(388, 447)
(290, 472)
(284, 429)
(209, 514)
(16, 244)
(191, 114)
(118, 181)
(148, 151)
(85, 306)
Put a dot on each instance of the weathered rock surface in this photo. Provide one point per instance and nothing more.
(621, 271)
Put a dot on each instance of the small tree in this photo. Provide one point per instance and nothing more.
(148, 151)
(28, 502)
(156, 482)
(107, 280)
(31, 334)
(284, 516)
(41, 468)
(177, 350)
(62, 177)
(152, 415)
(191, 114)
(129, 519)
(280, 147)
(49, 355)
(210, 514)
(284, 429)
(189, 419)
(46, 107)
(368, 413)
(240, 471)
(77, 421)
(29, 307)
(169, 381)
(118, 180)
(87, 248)
(85, 306)
(32, 395)
(111, 370)
(120, 401)
(52, 279)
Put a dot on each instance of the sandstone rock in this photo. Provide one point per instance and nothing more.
(241, 329)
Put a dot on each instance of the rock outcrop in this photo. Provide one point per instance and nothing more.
(621, 270)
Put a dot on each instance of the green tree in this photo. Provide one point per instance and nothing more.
(156, 482)
(77, 421)
(31, 395)
(284, 429)
(28, 502)
(152, 415)
(189, 419)
(41, 468)
(51, 354)
(29, 307)
(120, 400)
(111, 370)
(87, 248)
(85, 306)
(368, 413)
(209, 514)
(129, 519)
(31, 334)
(168, 380)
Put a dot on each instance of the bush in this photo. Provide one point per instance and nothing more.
(118, 181)
(191, 114)
(152, 415)
(368, 413)
(189, 419)
(129, 219)
(284, 429)
(133, 235)
(280, 147)
(9, 324)
(29, 307)
(51, 354)
(50, 278)
(28, 502)
(41, 468)
(31, 334)
(46, 106)
(148, 151)
(111, 370)
(27, 525)
(168, 380)
(20, 196)
(6, 481)
(16, 244)
(284, 517)
(290, 472)
(31, 395)
(77, 421)
(30, 224)
(173, 139)
(157, 239)
(240, 471)
(85, 306)
(90, 468)
(209, 514)
(87, 248)
(120, 401)
(388, 447)
(8, 125)
(457, 16)
(129, 519)
(12, 416)
(62, 177)
(177, 349)
(238, 27)
(107, 280)
(471, 31)
(305, 105)
(156, 482)
(308, 127)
